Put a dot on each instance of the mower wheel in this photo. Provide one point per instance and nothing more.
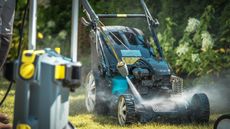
(90, 92)
(200, 109)
(93, 100)
(126, 110)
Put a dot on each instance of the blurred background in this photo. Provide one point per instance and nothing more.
(194, 34)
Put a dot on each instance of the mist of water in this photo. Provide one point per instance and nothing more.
(217, 90)
(134, 90)
(218, 95)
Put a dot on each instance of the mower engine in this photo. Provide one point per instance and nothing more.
(147, 80)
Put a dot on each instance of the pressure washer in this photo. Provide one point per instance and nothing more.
(44, 80)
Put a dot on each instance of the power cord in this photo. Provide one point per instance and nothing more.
(6, 94)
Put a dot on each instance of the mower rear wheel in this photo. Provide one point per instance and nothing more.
(200, 109)
(90, 92)
(94, 97)
(126, 110)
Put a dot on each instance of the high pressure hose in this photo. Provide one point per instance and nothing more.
(121, 65)
(6, 94)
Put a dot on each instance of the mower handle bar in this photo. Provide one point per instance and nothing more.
(152, 22)
(121, 15)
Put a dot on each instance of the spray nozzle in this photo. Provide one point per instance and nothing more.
(122, 68)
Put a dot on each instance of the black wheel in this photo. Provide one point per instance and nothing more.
(200, 109)
(223, 122)
(126, 110)
(95, 99)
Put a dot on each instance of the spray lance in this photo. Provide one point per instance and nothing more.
(123, 70)
(121, 65)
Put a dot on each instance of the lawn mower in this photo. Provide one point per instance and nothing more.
(131, 81)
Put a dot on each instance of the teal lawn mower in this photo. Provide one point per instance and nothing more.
(131, 81)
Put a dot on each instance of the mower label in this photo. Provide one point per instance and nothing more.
(130, 60)
(130, 53)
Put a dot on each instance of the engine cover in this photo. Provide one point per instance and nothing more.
(140, 73)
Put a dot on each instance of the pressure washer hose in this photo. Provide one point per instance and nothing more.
(124, 72)
(109, 42)
(6, 94)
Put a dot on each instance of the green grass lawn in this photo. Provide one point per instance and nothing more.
(83, 120)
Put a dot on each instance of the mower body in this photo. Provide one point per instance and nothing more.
(151, 76)
(149, 73)
(160, 89)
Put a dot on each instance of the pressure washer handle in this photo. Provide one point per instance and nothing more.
(73, 76)
(32, 25)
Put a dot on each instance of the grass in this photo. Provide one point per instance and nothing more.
(84, 120)
(8, 105)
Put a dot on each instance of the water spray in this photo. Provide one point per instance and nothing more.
(134, 90)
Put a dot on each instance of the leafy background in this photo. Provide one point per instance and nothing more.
(195, 35)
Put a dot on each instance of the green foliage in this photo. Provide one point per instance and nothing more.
(194, 34)
(54, 24)
(167, 40)
(195, 53)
